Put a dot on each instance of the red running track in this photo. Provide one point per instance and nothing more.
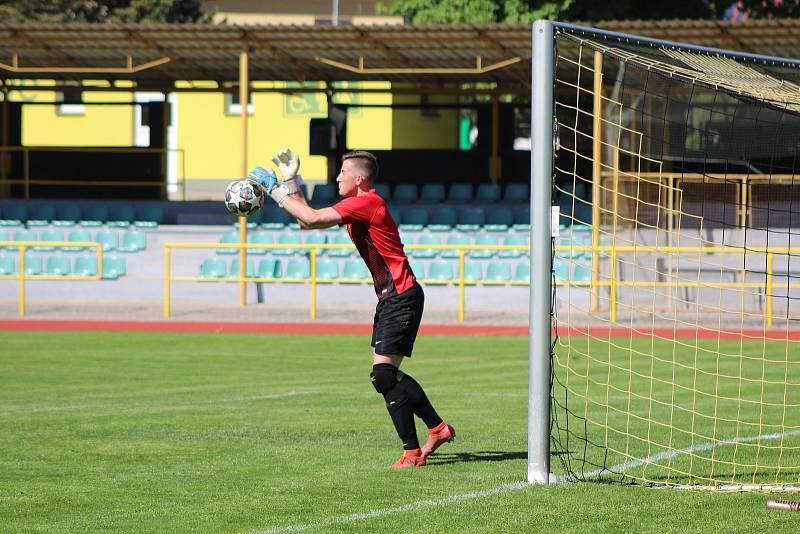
(328, 329)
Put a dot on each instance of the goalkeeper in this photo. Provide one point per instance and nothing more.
(400, 297)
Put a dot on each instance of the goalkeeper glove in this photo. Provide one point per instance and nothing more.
(266, 179)
(288, 164)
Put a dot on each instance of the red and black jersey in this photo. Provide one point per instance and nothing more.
(374, 233)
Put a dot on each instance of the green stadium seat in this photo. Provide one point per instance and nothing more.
(213, 268)
(113, 267)
(498, 271)
(67, 215)
(33, 264)
(383, 190)
(317, 238)
(23, 234)
(455, 239)
(85, 266)
(251, 224)
(14, 214)
(498, 219)
(460, 193)
(442, 271)
(57, 265)
(108, 239)
(572, 240)
(77, 235)
(487, 193)
(443, 220)
(582, 272)
(10, 223)
(522, 219)
(41, 215)
(513, 240)
(4, 236)
(327, 269)
(324, 194)
(95, 215)
(259, 238)
(405, 194)
(561, 270)
(229, 238)
(291, 238)
(517, 194)
(413, 219)
(249, 269)
(417, 267)
(432, 193)
(341, 239)
(470, 219)
(149, 216)
(7, 266)
(49, 235)
(522, 272)
(121, 216)
(425, 253)
(484, 239)
(275, 218)
(133, 241)
(355, 272)
(298, 268)
(473, 271)
(269, 268)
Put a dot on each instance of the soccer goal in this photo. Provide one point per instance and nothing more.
(665, 304)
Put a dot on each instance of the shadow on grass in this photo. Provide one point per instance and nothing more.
(441, 458)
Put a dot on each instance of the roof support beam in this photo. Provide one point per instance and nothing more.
(128, 69)
(478, 69)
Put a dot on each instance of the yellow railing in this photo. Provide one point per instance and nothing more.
(27, 181)
(313, 253)
(20, 275)
(613, 282)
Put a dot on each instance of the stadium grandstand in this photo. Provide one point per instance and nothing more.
(445, 108)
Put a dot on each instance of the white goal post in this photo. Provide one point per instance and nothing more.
(664, 333)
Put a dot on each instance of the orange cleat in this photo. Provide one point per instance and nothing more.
(410, 459)
(436, 437)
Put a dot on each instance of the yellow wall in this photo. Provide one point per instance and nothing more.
(416, 128)
(211, 138)
(369, 128)
(96, 126)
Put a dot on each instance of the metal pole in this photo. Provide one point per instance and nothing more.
(244, 82)
(541, 268)
(494, 159)
(335, 13)
(597, 169)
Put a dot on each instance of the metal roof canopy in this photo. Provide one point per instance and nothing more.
(156, 56)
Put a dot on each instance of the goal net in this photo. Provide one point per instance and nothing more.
(675, 306)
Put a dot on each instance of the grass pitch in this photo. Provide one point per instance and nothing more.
(107, 432)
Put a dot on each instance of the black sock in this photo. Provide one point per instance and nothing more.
(422, 407)
(400, 409)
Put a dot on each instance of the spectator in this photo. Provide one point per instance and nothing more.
(737, 11)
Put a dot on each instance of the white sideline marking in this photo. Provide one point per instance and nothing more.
(396, 509)
(670, 454)
(65, 407)
(514, 486)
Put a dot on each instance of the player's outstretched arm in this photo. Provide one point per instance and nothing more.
(308, 217)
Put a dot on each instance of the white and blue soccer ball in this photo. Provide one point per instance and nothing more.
(244, 197)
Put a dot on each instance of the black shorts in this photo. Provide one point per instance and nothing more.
(396, 323)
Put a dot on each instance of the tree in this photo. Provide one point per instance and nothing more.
(485, 11)
(99, 11)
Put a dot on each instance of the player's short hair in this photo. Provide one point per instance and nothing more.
(367, 163)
